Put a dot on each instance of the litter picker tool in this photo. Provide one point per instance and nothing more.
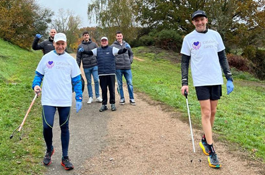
(191, 132)
(19, 128)
(192, 139)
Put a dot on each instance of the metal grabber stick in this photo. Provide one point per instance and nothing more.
(191, 132)
(19, 128)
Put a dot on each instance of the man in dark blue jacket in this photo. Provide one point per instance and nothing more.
(46, 45)
(106, 70)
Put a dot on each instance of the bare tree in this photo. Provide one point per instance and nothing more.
(69, 24)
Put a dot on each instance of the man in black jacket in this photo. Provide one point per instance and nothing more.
(90, 66)
(46, 45)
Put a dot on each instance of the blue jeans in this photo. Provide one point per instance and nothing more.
(94, 72)
(128, 77)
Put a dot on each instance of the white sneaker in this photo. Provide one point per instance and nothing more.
(90, 100)
(99, 99)
(132, 102)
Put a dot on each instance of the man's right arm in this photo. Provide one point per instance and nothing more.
(185, 61)
(36, 46)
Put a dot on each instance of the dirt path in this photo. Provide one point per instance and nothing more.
(144, 139)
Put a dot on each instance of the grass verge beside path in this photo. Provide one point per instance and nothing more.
(17, 71)
(240, 116)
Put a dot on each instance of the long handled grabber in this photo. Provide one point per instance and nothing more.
(19, 128)
(191, 133)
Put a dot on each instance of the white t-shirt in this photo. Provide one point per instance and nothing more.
(58, 71)
(203, 49)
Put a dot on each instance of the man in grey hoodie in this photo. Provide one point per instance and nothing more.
(89, 65)
(123, 68)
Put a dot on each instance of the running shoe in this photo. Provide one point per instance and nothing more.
(205, 148)
(103, 108)
(113, 108)
(99, 99)
(47, 158)
(213, 161)
(132, 102)
(122, 101)
(66, 163)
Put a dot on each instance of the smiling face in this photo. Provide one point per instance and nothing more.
(60, 46)
(200, 23)
(119, 37)
(52, 33)
(86, 37)
(104, 42)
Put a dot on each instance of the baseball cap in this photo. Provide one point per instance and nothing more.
(198, 13)
(59, 37)
(104, 38)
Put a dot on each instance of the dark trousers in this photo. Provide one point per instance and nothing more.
(107, 81)
(48, 113)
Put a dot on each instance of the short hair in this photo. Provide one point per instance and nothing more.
(118, 32)
(86, 32)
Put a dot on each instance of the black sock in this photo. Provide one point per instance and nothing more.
(204, 138)
(212, 151)
(65, 157)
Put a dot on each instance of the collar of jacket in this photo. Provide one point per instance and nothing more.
(50, 38)
(104, 47)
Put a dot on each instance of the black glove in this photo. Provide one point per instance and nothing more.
(121, 51)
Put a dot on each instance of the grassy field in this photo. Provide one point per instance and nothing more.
(16, 75)
(240, 116)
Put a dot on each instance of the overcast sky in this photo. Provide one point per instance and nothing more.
(78, 7)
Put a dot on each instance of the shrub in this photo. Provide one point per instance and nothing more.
(147, 40)
(249, 52)
(259, 64)
(169, 40)
(239, 62)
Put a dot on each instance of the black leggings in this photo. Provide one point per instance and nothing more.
(48, 113)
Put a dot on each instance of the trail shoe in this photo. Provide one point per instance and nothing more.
(132, 102)
(90, 100)
(113, 108)
(103, 108)
(99, 99)
(47, 159)
(122, 101)
(205, 148)
(213, 161)
(66, 163)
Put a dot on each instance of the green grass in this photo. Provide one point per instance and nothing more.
(240, 117)
(17, 71)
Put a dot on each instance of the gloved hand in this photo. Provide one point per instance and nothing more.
(127, 46)
(38, 36)
(229, 86)
(78, 106)
(81, 49)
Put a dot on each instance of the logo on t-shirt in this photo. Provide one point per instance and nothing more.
(196, 45)
(50, 64)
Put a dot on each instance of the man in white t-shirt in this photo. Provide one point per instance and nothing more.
(58, 70)
(206, 51)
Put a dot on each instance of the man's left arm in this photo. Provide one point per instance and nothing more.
(224, 64)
